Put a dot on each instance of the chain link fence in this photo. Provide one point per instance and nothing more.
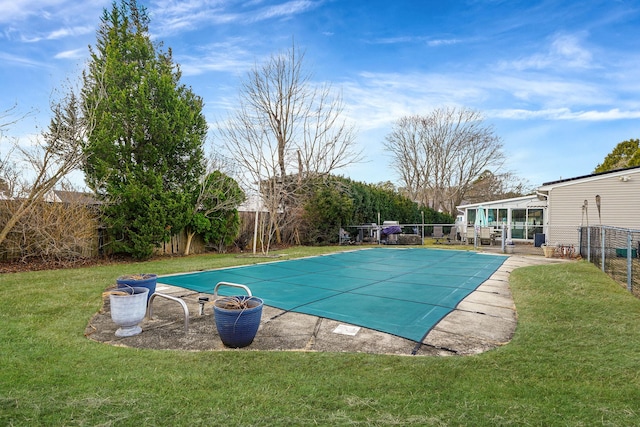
(615, 251)
(556, 241)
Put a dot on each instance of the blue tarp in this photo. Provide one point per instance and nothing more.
(392, 229)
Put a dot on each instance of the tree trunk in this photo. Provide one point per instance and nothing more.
(187, 247)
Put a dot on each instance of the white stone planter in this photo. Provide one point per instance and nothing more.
(127, 311)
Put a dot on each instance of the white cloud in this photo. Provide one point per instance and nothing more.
(568, 49)
(377, 99)
(58, 34)
(22, 60)
(485, 88)
(172, 16)
(565, 114)
(544, 89)
(443, 42)
(286, 9)
(394, 40)
(17, 10)
(70, 32)
(612, 114)
(33, 21)
(564, 51)
(193, 66)
(230, 56)
(71, 54)
(416, 39)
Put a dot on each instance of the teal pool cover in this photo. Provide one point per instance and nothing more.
(404, 292)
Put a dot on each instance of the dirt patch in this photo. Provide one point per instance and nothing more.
(37, 264)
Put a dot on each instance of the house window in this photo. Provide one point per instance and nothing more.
(492, 217)
(526, 222)
(518, 223)
(502, 215)
(534, 222)
(471, 216)
(496, 217)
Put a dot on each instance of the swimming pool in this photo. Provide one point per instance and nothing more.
(400, 291)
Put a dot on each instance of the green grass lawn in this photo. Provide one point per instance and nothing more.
(574, 360)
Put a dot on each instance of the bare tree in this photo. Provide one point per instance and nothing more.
(50, 159)
(9, 173)
(8, 118)
(411, 157)
(439, 155)
(61, 227)
(492, 186)
(285, 130)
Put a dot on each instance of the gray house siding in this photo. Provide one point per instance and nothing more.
(620, 203)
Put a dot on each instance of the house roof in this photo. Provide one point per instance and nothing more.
(502, 202)
(253, 203)
(562, 181)
(538, 200)
(75, 197)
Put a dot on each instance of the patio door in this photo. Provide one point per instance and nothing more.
(525, 223)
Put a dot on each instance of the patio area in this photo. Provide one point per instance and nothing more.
(484, 320)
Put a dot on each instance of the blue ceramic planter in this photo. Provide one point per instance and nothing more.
(146, 280)
(238, 327)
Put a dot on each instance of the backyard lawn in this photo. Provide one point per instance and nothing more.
(574, 360)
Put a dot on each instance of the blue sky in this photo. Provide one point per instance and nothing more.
(558, 80)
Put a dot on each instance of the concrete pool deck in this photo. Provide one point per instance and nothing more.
(484, 320)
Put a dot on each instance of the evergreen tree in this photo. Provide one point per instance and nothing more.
(145, 149)
(338, 202)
